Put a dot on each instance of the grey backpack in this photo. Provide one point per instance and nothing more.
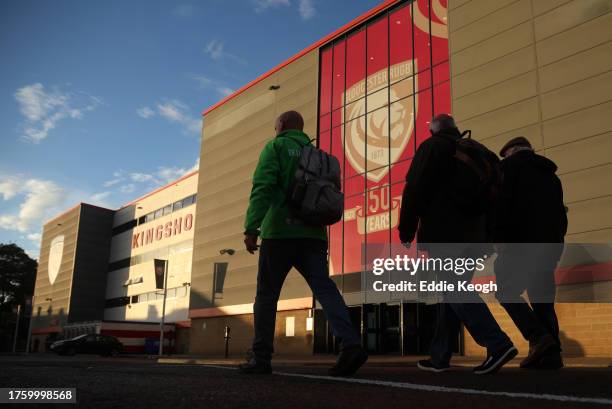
(315, 196)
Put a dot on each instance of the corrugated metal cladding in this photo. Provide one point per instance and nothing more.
(71, 275)
(233, 136)
(543, 69)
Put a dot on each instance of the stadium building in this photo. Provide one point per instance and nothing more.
(96, 272)
(537, 68)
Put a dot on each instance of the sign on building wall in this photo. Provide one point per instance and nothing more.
(379, 88)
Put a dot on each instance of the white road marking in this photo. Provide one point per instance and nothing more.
(434, 388)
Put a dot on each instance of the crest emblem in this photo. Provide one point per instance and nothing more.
(381, 138)
(56, 252)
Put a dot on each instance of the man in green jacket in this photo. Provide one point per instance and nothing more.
(288, 242)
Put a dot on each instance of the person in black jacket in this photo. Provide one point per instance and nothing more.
(530, 225)
(429, 212)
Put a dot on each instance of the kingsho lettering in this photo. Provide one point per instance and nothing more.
(162, 231)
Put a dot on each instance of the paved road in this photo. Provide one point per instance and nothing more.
(140, 383)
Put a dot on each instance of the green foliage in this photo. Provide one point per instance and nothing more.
(17, 276)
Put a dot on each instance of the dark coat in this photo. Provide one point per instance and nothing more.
(530, 206)
(427, 209)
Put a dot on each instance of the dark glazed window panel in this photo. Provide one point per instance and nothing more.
(159, 213)
(177, 206)
(325, 81)
(150, 217)
(167, 210)
(338, 76)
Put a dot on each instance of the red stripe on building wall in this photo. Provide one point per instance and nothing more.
(45, 330)
(136, 334)
(584, 273)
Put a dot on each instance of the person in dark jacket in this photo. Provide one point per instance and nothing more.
(530, 225)
(287, 242)
(429, 212)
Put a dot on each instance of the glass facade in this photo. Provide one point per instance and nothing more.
(379, 86)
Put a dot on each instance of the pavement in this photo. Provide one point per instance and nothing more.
(301, 382)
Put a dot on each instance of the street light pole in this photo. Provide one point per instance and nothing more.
(161, 323)
(16, 328)
(29, 338)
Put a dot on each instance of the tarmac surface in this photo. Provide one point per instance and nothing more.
(138, 382)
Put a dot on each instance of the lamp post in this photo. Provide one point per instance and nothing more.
(161, 322)
(16, 328)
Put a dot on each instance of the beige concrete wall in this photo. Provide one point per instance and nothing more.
(53, 300)
(543, 69)
(232, 139)
(206, 337)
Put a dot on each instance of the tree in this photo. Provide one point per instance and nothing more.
(17, 276)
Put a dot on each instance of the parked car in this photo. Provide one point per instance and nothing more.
(104, 345)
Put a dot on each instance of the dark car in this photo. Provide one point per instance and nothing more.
(105, 345)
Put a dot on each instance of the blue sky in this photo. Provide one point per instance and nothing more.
(100, 101)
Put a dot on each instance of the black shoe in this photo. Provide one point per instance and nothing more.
(495, 361)
(537, 350)
(427, 365)
(252, 366)
(551, 361)
(349, 361)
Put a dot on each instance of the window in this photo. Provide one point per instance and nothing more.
(219, 272)
(150, 217)
(159, 213)
(380, 85)
(167, 209)
(177, 205)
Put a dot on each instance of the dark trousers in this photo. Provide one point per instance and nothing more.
(529, 268)
(466, 308)
(309, 257)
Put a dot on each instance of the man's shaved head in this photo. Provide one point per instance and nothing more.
(289, 120)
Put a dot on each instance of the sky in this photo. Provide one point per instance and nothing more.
(101, 101)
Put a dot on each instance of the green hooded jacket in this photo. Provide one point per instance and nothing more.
(268, 214)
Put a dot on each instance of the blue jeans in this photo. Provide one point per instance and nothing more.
(473, 312)
(309, 257)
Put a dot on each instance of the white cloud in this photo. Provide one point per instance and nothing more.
(261, 5)
(215, 49)
(206, 82)
(306, 9)
(141, 177)
(10, 187)
(99, 199)
(40, 199)
(176, 111)
(184, 10)
(129, 188)
(34, 237)
(42, 109)
(145, 112)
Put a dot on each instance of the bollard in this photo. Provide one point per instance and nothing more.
(227, 338)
